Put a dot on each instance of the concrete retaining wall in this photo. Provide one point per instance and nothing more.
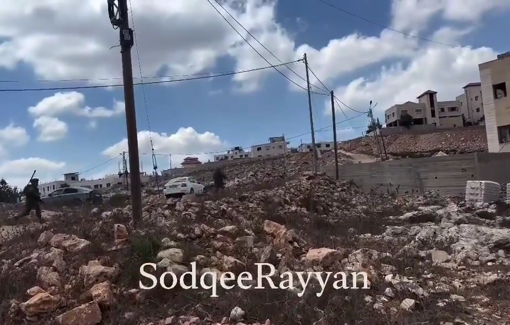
(421, 129)
(445, 174)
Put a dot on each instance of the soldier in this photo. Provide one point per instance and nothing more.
(32, 200)
(219, 179)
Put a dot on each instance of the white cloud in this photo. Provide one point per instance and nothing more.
(14, 135)
(185, 142)
(17, 172)
(50, 128)
(39, 34)
(443, 69)
(413, 16)
(92, 124)
(73, 103)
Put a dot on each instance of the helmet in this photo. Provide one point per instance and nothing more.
(34, 180)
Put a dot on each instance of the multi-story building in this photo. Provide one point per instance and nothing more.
(416, 110)
(427, 111)
(234, 153)
(276, 146)
(321, 146)
(495, 79)
(471, 103)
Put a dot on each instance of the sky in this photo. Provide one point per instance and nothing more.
(386, 51)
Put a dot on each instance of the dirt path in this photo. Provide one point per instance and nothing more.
(358, 157)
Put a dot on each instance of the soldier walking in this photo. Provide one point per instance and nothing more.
(32, 200)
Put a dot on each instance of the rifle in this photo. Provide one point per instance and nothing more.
(31, 177)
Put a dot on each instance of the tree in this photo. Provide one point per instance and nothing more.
(8, 194)
(406, 120)
(373, 125)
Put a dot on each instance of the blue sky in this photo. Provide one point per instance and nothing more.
(78, 130)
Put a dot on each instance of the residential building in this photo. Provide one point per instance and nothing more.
(191, 162)
(275, 146)
(321, 146)
(427, 111)
(416, 110)
(471, 103)
(234, 153)
(72, 179)
(450, 114)
(495, 79)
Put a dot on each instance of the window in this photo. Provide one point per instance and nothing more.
(431, 100)
(53, 187)
(73, 178)
(259, 148)
(108, 184)
(499, 90)
(57, 192)
(433, 112)
(393, 114)
(327, 145)
(96, 186)
(441, 109)
(280, 147)
(318, 145)
(476, 98)
(308, 146)
(417, 110)
(100, 185)
(267, 148)
(504, 134)
(119, 183)
(452, 109)
(259, 156)
(478, 109)
(404, 111)
(70, 190)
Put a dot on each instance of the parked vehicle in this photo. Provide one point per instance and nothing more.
(73, 196)
(182, 185)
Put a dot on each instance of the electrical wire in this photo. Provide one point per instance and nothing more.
(100, 165)
(254, 49)
(260, 43)
(384, 26)
(225, 74)
(154, 160)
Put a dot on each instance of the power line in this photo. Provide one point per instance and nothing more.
(100, 165)
(384, 26)
(252, 36)
(352, 109)
(225, 74)
(246, 41)
(289, 138)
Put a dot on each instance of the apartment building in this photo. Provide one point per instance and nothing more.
(232, 154)
(416, 110)
(495, 80)
(321, 146)
(471, 103)
(275, 146)
(426, 111)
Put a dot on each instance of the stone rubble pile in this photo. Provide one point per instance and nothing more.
(255, 170)
(425, 258)
(461, 140)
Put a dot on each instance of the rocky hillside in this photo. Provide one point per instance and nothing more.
(428, 260)
(462, 140)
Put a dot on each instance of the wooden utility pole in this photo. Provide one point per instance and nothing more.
(315, 158)
(335, 144)
(119, 18)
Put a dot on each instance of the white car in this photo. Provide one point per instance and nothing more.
(181, 186)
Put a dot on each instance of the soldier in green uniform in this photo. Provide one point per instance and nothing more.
(32, 200)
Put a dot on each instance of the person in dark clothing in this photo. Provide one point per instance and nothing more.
(32, 200)
(219, 179)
